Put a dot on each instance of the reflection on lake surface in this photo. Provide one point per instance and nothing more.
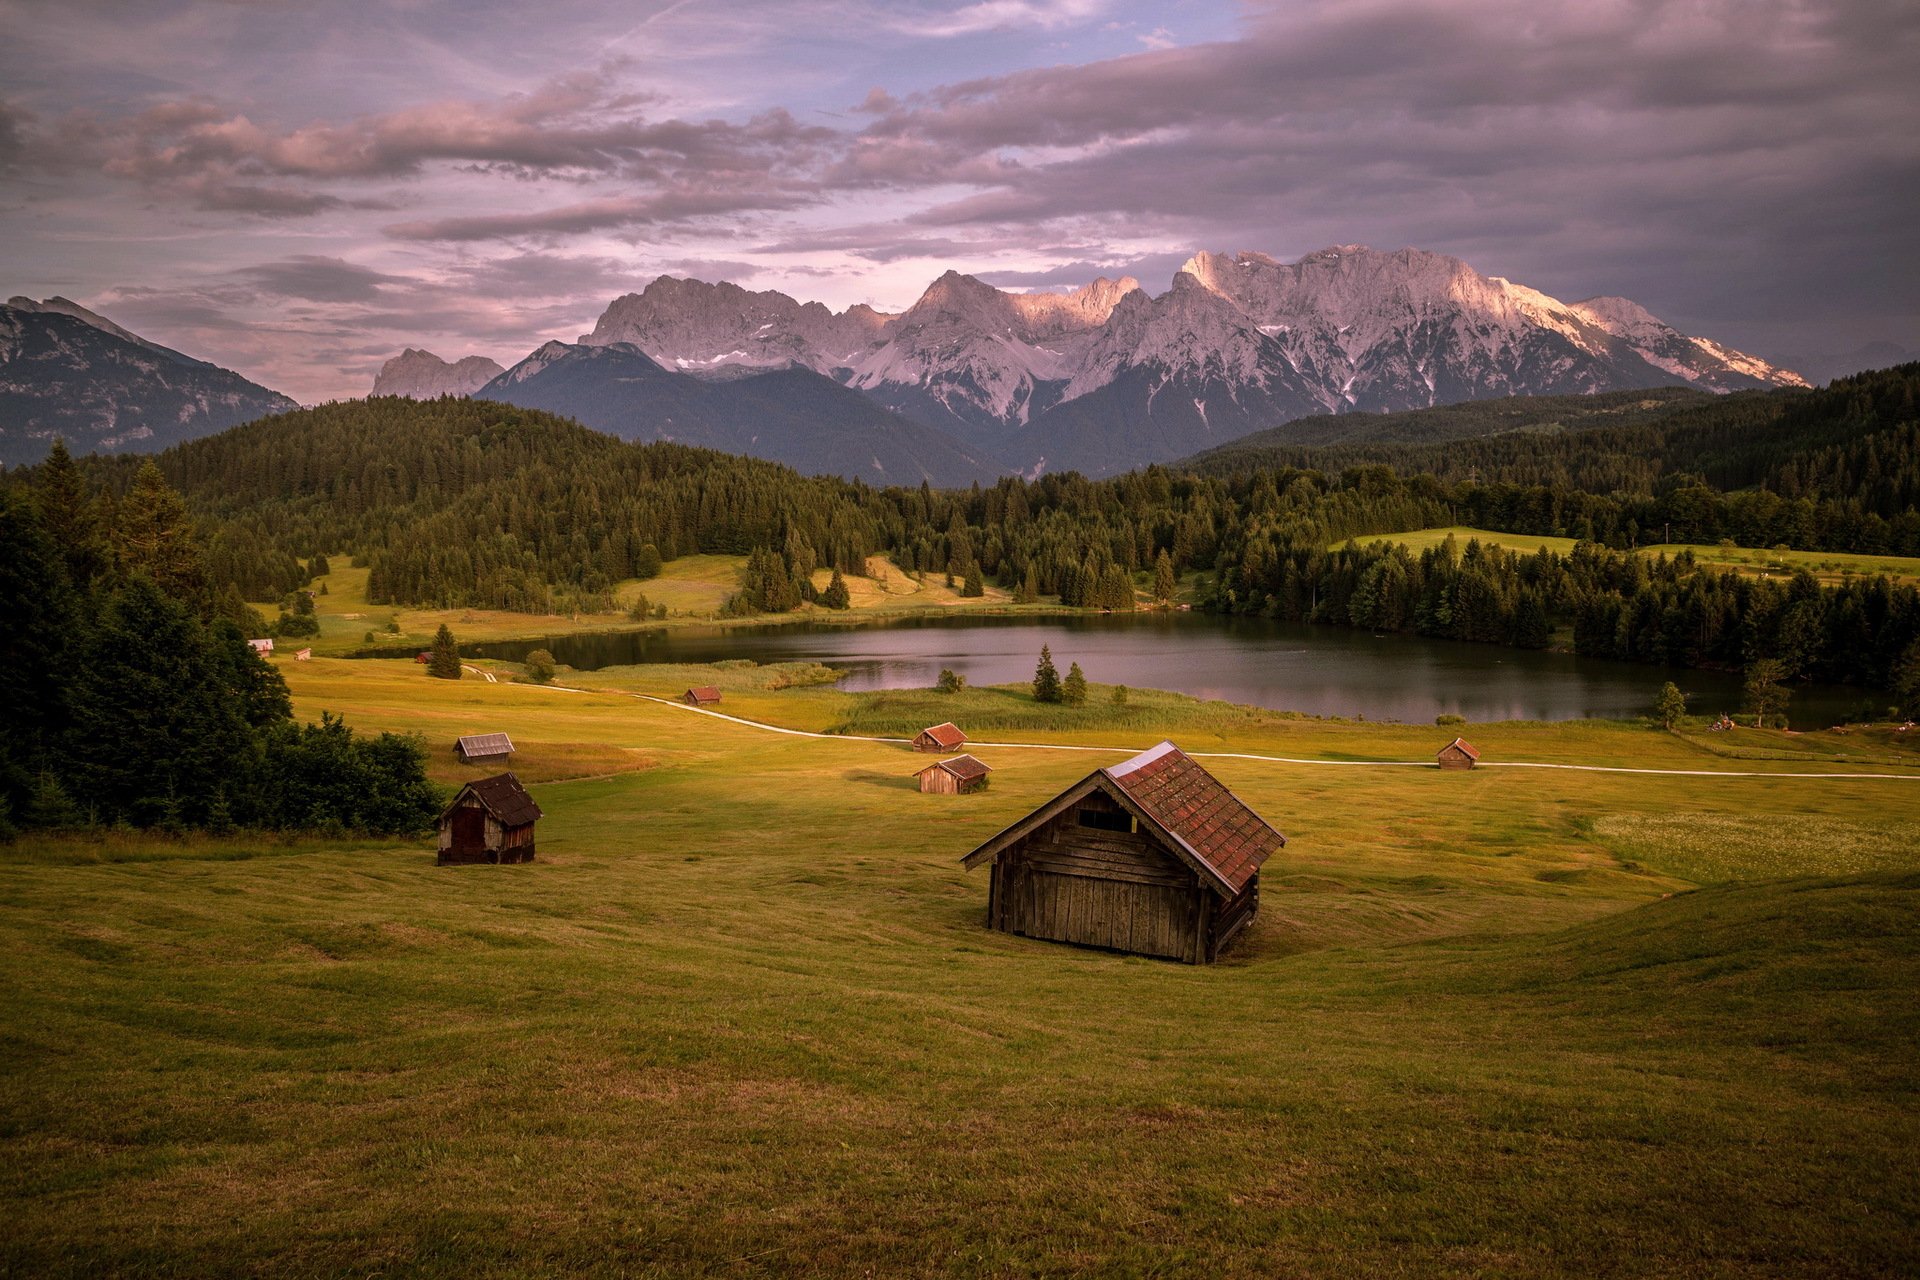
(1329, 671)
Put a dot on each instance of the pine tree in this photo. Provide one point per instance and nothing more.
(1046, 678)
(153, 536)
(1074, 691)
(974, 586)
(1029, 589)
(445, 662)
(1164, 583)
(836, 595)
(68, 515)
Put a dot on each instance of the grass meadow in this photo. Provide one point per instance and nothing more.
(741, 1018)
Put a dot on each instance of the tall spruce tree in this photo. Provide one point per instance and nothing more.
(1046, 678)
(1073, 691)
(1164, 583)
(444, 661)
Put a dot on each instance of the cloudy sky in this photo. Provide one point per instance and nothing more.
(298, 188)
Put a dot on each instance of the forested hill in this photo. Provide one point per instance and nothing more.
(1853, 439)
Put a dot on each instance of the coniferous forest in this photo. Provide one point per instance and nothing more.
(471, 503)
(133, 696)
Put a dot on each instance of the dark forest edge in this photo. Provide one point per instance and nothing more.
(460, 503)
(134, 698)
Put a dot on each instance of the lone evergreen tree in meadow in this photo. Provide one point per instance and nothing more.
(1670, 705)
(1164, 583)
(974, 585)
(1074, 691)
(836, 595)
(1046, 678)
(445, 662)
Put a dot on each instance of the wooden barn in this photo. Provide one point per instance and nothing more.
(263, 645)
(489, 821)
(703, 696)
(939, 737)
(1153, 856)
(483, 748)
(1459, 754)
(962, 775)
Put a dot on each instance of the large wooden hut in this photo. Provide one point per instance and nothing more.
(704, 695)
(1153, 856)
(489, 821)
(940, 737)
(1459, 754)
(483, 748)
(962, 775)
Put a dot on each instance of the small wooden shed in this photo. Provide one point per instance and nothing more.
(702, 696)
(304, 655)
(962, 775)
(489, 821)
(1459, 754)
(483, 748)
(939, 737)
(262, 645)
(1153, 856)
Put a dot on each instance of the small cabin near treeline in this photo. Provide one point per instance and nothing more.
(262, 645)
(483, 748)
(303, 655)
(1459, 754)
(939, 737)
(489, 821)
(701, 696)
(960, 776)
(1153, 856)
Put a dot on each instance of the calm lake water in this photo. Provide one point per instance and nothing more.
(1331, 671)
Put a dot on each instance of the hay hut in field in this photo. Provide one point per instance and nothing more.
(1459, 754)
(939, 737)
(262, 645)
(303, 655)
(1153, 856)
(489, 821)
(701, 696)
(962, 775)
(483, 748)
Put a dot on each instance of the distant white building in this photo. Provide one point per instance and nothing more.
(262, 646)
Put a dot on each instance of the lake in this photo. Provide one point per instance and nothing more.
(1327, 671)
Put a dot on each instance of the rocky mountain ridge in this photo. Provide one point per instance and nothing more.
(422, 375)
(1108, 377)
(68, 372)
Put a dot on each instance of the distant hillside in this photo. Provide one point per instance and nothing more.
(1857, 440)
(791, 415)
(67, 372)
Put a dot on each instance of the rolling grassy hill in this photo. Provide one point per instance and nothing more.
(742, 1017)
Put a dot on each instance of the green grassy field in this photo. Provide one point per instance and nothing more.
(1829, 566)
(742, 1018)
(693, 589)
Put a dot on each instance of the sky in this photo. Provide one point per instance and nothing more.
(297, 189)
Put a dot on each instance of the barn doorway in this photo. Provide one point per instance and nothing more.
(469, 830)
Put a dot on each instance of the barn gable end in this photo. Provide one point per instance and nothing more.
(1152, 856)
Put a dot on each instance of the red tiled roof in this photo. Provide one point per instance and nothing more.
(965, 768)
(1472, 752)
(1195, 808)
(704, 693)
(947, 735)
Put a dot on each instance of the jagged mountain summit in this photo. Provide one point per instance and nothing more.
(790, 414)
(1108, 377)
(67, 372)
(422, 375)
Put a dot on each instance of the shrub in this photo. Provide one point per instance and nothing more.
(1449, 721)
(540, 666)
(950, 681)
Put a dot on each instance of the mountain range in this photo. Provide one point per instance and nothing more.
(67, 372)
(969, 382)
(1108, 377)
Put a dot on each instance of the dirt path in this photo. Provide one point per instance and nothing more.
(1243, 755)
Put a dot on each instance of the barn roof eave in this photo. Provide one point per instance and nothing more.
(1099, 780)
